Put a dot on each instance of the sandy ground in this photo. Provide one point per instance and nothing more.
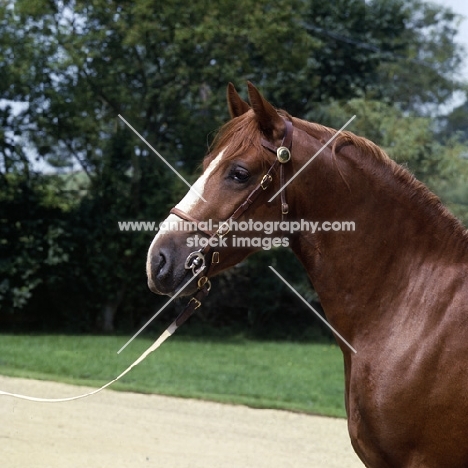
(117, 430)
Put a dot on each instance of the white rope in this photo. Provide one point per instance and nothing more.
(164, 336)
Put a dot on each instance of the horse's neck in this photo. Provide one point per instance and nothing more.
(399, 232)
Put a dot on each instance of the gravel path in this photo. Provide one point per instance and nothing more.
(127, 430)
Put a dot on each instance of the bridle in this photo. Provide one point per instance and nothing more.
(196, 261)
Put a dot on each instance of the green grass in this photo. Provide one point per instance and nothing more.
(292, 376)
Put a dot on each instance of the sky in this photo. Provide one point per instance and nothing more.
(460, 7)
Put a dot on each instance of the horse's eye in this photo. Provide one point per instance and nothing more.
(239, 174)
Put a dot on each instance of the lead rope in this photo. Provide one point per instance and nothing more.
(166, 334)
(192, 305)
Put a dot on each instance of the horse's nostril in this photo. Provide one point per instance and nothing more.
(159, 262)
(162, 262)
(158, 272)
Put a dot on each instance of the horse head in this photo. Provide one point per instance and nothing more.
(241, 172)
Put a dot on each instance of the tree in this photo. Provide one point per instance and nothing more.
(33, 236)
(456, 123)
(423, 72)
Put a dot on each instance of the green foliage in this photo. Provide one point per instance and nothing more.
(33, 239)
(456, 123)
(421, 73)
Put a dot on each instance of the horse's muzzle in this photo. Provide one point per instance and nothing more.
(167, 274)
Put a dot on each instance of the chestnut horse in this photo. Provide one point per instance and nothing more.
(396, 288)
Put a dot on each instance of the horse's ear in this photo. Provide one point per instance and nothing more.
(266, 115)
(237, 106)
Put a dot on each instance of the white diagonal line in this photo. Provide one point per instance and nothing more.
(177, 173)
(311, 308)
(312, 158)
(158, 312)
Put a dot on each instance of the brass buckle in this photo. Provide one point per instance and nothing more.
(266, 181)
(215, 257)
(198, 303)
(204, 281)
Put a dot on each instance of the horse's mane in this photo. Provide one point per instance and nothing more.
(242, 134)
(426, 199)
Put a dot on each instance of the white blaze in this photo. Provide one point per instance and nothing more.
(188, 202)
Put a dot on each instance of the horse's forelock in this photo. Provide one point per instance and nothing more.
(238, 136)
